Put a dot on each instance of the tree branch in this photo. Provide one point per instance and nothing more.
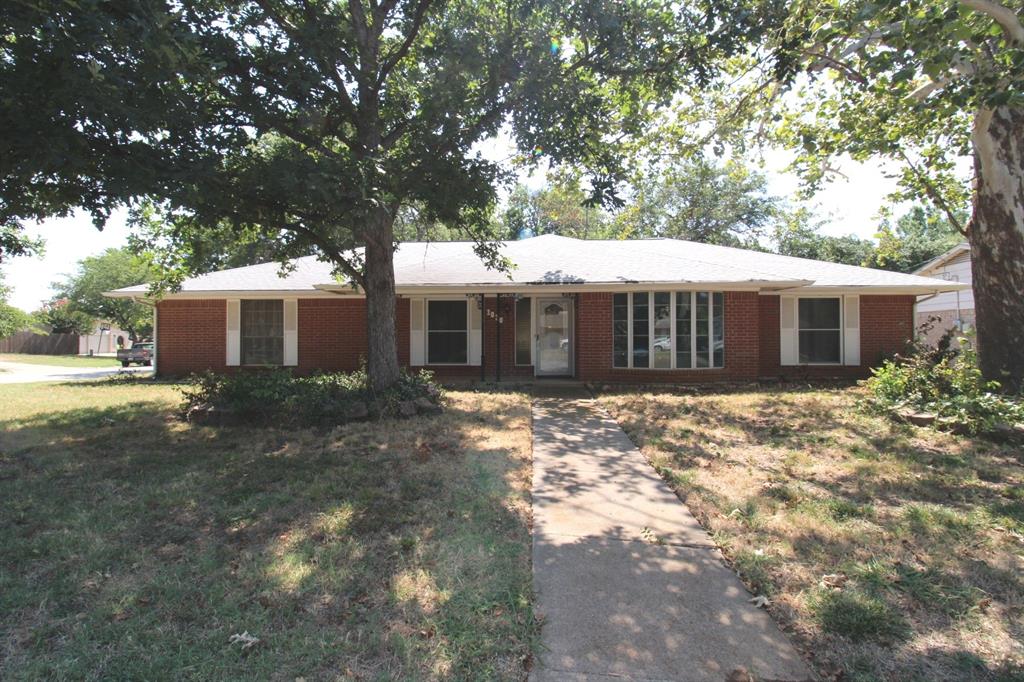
(419, 14)
(1004, 16)
(933, 194)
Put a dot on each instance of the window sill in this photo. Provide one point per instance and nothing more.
(668, 369)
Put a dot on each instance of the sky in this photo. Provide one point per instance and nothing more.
(848, 206)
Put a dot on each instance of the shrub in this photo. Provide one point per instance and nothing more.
(945, 382)
(276, 396)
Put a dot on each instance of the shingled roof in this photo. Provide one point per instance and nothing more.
(567, 264)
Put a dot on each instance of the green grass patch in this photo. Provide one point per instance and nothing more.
(60, 360)
(133, 546)
(857, 615)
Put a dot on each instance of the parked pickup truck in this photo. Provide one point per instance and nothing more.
(140, 354)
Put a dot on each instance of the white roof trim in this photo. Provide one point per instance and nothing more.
(940, 260)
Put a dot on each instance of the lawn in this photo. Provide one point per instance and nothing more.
(60, 360)
(134, 546)
(888, 551)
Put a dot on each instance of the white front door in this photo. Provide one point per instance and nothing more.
(554, 336)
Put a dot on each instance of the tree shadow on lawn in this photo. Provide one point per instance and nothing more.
(919, 527)
(134, 546)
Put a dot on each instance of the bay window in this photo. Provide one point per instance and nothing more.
(668, 330)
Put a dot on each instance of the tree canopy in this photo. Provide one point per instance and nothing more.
(920, 84)
(562, 206)
(700, 199)
(312, 124)
(919, 235)
(12, 319)
(112, 269)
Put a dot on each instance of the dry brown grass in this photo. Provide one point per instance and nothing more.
(890, 552)
(133, 546)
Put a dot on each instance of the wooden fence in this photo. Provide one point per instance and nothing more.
(40, 344)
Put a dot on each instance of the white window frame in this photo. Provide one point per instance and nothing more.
(427, 330)
(241, 333)
(672, 336)
(841, 331)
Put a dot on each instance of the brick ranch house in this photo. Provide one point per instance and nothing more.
(596, 310)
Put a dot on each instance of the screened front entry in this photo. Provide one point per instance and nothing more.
(554, 337)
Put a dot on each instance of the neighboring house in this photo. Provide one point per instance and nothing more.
(105, 339)
(635, 311)
(954, 309)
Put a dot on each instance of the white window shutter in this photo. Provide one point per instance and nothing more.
(475, 335)
(234, 334)
(417, 344)
(789, 333)
(291, 332)
(851, 330)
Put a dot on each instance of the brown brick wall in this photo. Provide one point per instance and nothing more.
(191, 336)
(332, 336)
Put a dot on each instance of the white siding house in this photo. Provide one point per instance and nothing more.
(952, 308)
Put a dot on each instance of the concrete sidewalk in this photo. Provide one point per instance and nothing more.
(629, 584)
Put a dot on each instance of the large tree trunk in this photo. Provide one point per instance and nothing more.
(997, 243)
(382, 344)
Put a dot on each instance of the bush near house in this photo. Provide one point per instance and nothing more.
(277, 396)
(945, 384)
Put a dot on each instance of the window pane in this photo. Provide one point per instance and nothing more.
(446, 316)
(819, 313)
(447, 347)
(718, 330)
(447, 332)
(620, 330)
(683, 331)
(819, 346)
(702, 331)
(641, 331)
(524, 339)
(262, 332)
(662, 329)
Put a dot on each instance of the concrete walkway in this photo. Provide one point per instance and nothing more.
(628, 583)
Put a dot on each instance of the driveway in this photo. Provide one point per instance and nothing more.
(628, 583)
(23, 373)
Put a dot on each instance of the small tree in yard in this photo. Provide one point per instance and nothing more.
(59, 317)
(918, 83)
(314, 123)
(113, 269)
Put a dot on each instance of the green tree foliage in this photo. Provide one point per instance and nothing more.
(699, 199)
(60, 317)
(112, 269)
(798, 235)
(918, 83)
(561, 207)
(312, 124)
(918, 236)
(179, 248)
(11, 319)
